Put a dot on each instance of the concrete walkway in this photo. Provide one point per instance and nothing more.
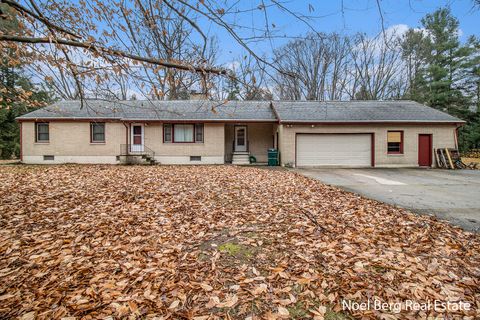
(448, 194)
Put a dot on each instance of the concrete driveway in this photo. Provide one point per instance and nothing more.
(450, 195)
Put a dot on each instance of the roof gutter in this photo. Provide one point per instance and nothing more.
(150, 120)
(23, 119)
(461, 122)
(202, 120)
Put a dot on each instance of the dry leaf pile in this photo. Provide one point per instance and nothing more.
(215, 242)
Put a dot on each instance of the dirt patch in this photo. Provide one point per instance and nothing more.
(8, 162)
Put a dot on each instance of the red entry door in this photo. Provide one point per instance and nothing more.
(425, 150)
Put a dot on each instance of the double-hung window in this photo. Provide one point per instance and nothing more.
(199, 132)
(42, 132)
(395, 142)
(183, 133)
(97, 132)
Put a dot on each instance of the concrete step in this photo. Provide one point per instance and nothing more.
(240, 162)
(241, 157)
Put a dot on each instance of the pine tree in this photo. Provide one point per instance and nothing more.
(232, 89)
(446, 63)
(471, 83)
(470, 133)
(416, 47)
(18, 95)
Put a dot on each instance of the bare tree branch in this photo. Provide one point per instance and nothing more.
(112, 52)
(44, 20)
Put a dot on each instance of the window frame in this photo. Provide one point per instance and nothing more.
(37, 140)
(104, 132)
(401, 142)
(164, 133)
(195, 130)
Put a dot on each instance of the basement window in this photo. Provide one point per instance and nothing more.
(195, 158)
(395, 142)
(48, 158)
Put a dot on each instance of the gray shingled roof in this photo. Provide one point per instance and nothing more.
(157, 110)
(205, 110)
(359, 111)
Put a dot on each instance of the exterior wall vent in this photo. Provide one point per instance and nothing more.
(48, 158)
(195, 158)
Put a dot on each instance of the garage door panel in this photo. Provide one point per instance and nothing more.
(334, 150)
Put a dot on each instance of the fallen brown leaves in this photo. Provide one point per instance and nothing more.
(216, 242)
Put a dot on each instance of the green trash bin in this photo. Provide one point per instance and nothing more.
(272, 157)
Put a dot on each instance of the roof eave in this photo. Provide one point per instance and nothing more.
(141, 119)
(372, 121)
(65, 119)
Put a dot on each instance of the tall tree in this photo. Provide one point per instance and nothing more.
(17, 93)
(446, 63)
(314, 68)
(471, 80)
(470, 85)
(416, 47)
(376, 71)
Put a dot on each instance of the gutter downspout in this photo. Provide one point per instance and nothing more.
(459, 125)
(126, 136)
(21, 140)
(279, 132)
(456, 136)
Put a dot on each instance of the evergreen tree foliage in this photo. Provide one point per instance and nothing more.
(443, 73)
(18, 95)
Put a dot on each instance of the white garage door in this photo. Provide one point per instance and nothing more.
(352, 150)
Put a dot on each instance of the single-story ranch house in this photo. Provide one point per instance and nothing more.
(306, 133)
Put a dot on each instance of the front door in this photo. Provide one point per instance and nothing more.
(137, 138)
(241, 138)
(425, 150)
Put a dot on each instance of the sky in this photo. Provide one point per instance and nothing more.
(355, 16)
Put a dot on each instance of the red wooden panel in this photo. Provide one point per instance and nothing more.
(137, 139)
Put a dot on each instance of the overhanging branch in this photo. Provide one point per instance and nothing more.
(45, 21)
(112, 52)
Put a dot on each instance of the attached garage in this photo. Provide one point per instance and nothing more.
(349, 150)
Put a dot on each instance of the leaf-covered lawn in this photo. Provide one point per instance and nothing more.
(215, 242)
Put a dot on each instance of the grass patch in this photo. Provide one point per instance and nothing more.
(298, 311)
(235, 250)
(332, 315)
